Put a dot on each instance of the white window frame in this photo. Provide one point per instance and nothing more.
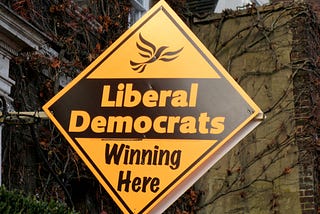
(139, 7)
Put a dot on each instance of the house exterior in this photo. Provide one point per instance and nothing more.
(16, 35)
(234, 5)
(139, 7)
(217, 6)
(272, 51)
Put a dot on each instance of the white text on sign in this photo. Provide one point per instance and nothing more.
(127, 97)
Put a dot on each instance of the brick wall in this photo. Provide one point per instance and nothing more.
(306, 46)
(315, 4)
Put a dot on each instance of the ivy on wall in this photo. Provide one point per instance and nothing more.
(39, 161)
(273, 53)
(36, 158)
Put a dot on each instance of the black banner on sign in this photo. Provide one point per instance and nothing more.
(151, 109)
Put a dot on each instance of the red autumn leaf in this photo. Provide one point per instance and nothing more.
(55, 63)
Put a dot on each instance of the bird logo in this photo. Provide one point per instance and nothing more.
(152, 54)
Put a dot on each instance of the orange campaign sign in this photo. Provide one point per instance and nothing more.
(152, 113)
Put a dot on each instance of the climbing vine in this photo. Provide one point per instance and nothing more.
(269, 55)
(36, 157)
(251, 44)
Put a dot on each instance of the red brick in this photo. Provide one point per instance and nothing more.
(306, 199)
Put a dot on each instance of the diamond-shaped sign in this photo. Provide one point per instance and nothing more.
(152, 113)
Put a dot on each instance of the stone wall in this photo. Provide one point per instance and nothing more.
(273, 169)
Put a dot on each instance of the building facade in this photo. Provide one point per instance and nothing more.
(272, 51)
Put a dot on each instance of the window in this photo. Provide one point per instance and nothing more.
(234, 5)
(139, 7)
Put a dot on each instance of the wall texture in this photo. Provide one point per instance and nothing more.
(270, 52)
